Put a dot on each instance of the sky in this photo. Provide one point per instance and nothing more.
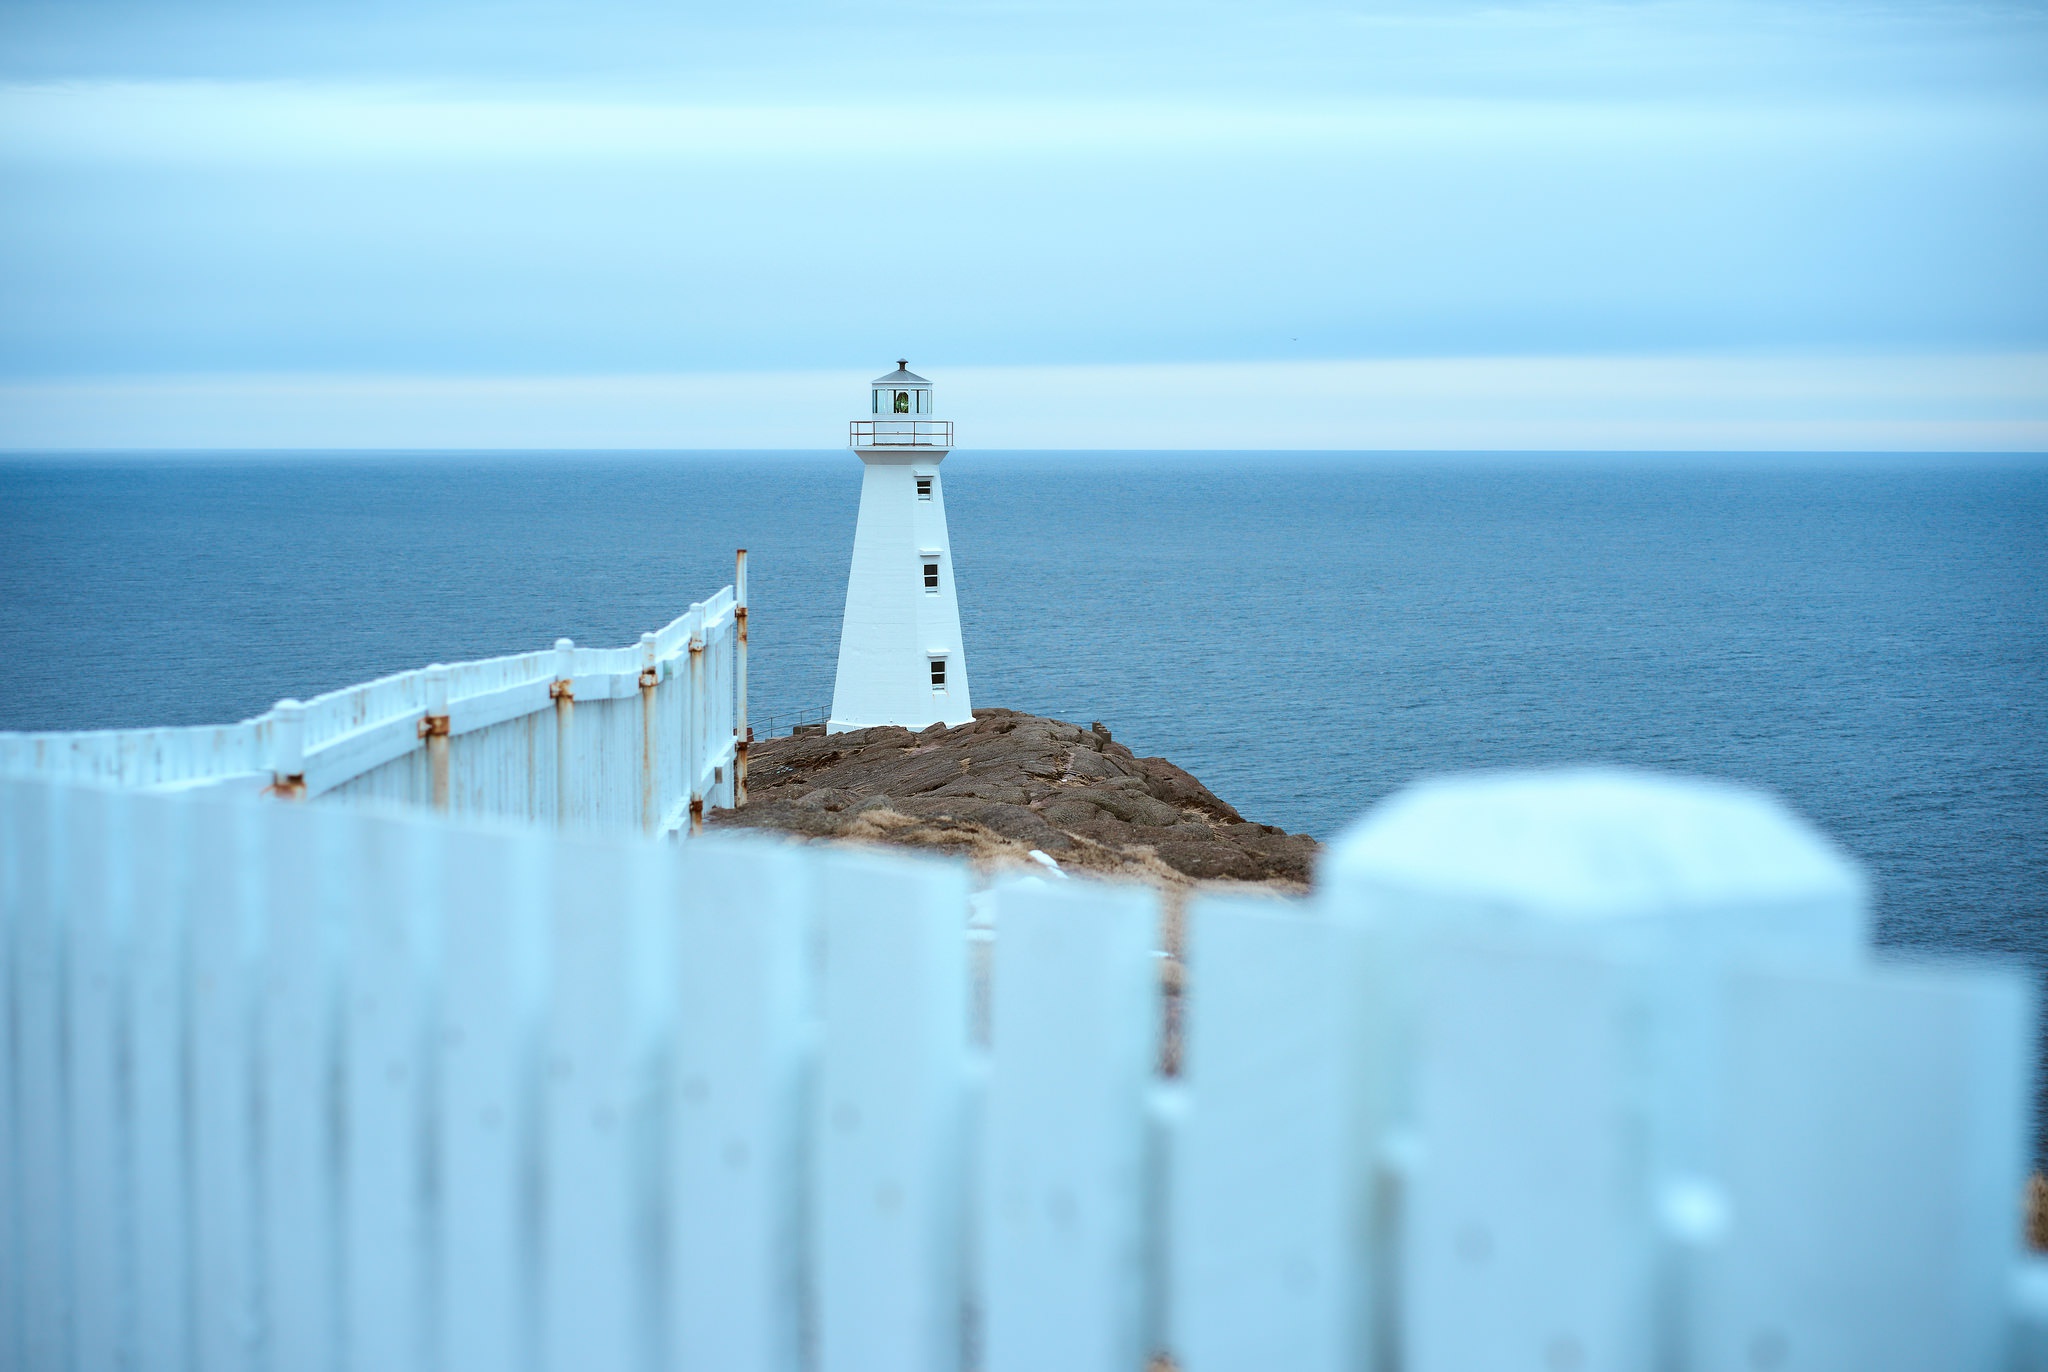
(1511, 225)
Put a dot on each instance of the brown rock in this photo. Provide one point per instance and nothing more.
(1007, 783)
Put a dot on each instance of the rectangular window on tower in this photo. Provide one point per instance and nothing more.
(931, 576)
(924, 488)
(938, 674)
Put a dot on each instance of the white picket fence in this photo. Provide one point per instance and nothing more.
(1554, 1072)
(610, 739)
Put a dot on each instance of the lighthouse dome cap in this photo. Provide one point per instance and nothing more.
(902, 376)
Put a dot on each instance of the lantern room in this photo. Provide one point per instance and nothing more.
(901, 392)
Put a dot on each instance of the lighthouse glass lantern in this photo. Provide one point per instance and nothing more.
(902, 392)
(901, 660)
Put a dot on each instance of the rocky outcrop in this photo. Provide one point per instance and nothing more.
(995, 789)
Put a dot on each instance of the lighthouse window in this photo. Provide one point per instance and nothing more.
(903, 402)
(931, 576)
(924, 488)
(938, 674)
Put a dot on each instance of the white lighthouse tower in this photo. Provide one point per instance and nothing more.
(900, 655)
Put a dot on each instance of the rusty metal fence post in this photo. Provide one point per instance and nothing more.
(434, 729)
(742, 735)
(563, 693)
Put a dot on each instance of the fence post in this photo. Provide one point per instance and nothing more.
(434, 729)
(741, 733)
(694, 782)
(1641, 990)
(288, 750)
(563, 693)
(649, 817)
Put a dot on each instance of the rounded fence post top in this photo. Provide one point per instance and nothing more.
(1589, 843)
(563, 645)
(287, 705)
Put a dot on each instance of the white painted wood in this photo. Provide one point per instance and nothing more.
(42, 1140)
(15, 856)
(1273, 1175)
(467, 714)
(888, 1242)
(225, 1217)
(161, 855)
(2027, 1295)
(893, 626)
(386, 873)
(1527, 1241)
(96, 905)
(1074, 1041)
(488, 1034)
(282, 1089)
(594, 1110)
(361, 745)
(300, 1045)
(1871, 1152)
(353, 754)
(744, 938)
(1680, 880)
(1605, 856)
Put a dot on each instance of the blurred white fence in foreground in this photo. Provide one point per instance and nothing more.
(1563, 1072)
(611, 739)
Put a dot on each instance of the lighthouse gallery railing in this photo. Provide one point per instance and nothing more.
(900, 433)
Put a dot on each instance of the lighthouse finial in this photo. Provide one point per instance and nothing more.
(902, 364)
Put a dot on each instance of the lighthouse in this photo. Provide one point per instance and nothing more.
(900, 656)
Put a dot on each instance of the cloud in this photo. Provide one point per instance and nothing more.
(441, 190)
(893, 133)
(1943, 403)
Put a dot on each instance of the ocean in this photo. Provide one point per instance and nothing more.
(1866, 637)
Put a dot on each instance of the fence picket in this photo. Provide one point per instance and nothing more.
(888, 1131)
(39, 1115)
(385, 875)
(224, 1212)
(595, 1110)
(1074, 1040)
(1273, 1174)
(300, 1050)
(96, 906)
(159, 1053)
(744, 936)
(488, 1043)
(1870, 1155)
(15, 858)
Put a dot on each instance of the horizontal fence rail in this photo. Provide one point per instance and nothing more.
(620, 739)
(1584, 1071)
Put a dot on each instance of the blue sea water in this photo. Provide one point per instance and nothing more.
(1867, 637)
